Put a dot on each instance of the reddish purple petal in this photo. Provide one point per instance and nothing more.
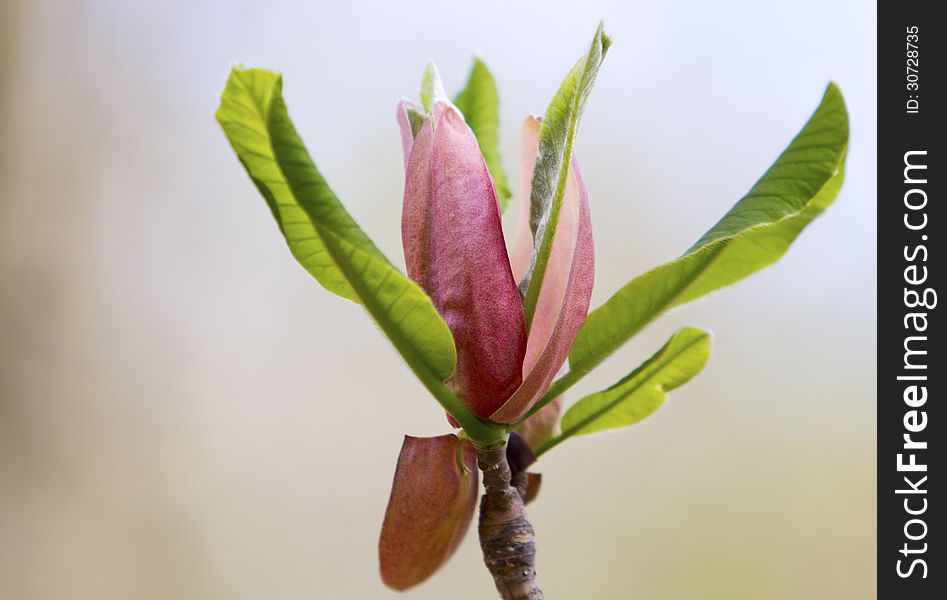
(431, 506)
(454, 249)
(564, 298)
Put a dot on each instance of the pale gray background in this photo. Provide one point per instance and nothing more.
(185, 414)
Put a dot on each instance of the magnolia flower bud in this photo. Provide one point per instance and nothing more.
(454, 249)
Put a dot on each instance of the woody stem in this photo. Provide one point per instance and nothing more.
(506, 537)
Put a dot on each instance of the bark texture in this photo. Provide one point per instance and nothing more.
(506, 537)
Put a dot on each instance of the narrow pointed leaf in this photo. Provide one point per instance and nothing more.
(479, 102)
(551, 174)
(641, 392)
(431, 506)
(756, 232)
(326, 240)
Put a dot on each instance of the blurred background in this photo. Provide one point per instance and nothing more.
(185, 414)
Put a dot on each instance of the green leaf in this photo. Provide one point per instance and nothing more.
(641, 392)
(432, 89)
(326, 240)
(551, 174)
(756, 232)
(479, 102)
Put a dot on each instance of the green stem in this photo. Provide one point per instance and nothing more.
(479, 431)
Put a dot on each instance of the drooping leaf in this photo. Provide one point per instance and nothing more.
(245, 111)
(326, 240)
(479, 102)
(551, 173)
(431, 506)
(755, 233)
(641, 392)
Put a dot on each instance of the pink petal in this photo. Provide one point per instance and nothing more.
(543, 425)
(523, 245)
(564, 298)
(454, 249)
(404, 123)
(431, 506)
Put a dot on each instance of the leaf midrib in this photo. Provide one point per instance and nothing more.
(648, 377)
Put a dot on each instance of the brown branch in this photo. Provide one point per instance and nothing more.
(506, 537)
